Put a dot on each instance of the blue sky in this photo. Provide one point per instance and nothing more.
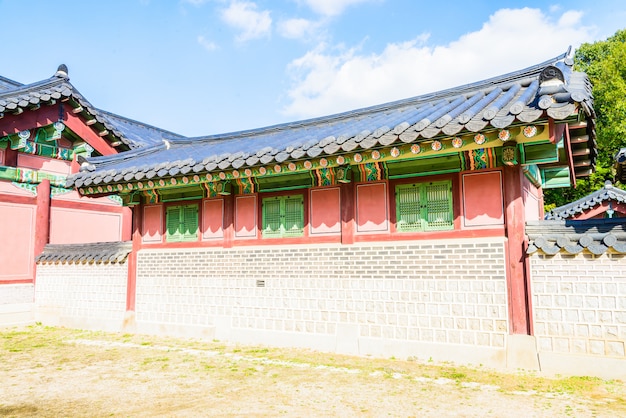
(200, 67)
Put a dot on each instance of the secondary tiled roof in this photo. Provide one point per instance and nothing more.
(596, 236)
(99, 252)
(571, 210)
(16, 97)
(550, 88)
(7, 84)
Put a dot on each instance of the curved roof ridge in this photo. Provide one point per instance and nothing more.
(501, 80)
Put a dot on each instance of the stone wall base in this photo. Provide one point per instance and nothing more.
(345, 341)
(55, 317)
(554, 364)
(16, 314)
(521, 352)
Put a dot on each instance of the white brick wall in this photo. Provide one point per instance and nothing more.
(85, 295)
(16, 304)
(450, 292)
(16, 293)
(579, 304)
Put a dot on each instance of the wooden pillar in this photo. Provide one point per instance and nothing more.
(137, 236)
(517, 280)
(42, 221)
(347, 213)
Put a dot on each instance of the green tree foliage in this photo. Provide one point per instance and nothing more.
(605, 64)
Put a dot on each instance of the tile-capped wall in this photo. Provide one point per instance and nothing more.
(92, 295)
(445, 291)
(579, 303)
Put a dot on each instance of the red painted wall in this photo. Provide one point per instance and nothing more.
(325, 210)
(372, 208)
(212, 219)
(152, 231)
(482, 199)
(49, 165)
(17, 234)
(246, 216)
(533, 201)
(74, 226)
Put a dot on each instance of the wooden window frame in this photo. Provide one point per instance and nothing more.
(417, 211)
(284, 213)
(186, 213)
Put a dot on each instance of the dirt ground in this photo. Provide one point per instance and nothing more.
(57, 372)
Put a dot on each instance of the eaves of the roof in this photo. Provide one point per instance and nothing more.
(608, 193)
(133, 134)
(547, 90)
(596, 236)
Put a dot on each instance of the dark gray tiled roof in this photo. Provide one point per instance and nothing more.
(18, 97)
(596, 236)
(550, 88)
(606, 194)
(7, 84)
(620, 165)
(99, 252)
(138, 133)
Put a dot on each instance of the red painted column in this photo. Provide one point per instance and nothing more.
(42, 221)
(517, 280)
(131, 286)
(348, 214)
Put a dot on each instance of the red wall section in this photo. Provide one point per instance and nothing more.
(325, 211)
(7, 188)
(482, 199)
(152, 231)
(73, 226)
(212, 219)
(245, 217)
(372, 209)
(16, 240)
(49, 165)
(533, 201)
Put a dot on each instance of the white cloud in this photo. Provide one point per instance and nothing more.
(195, 2)
(252, 24)
(327, 80)
(297, 28)
(207, 44)
(331, 7)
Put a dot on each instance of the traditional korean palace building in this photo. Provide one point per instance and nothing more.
(398, 229)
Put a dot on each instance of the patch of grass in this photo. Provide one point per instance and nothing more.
(259, 370)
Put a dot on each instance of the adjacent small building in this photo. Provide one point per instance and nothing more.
(46, 128)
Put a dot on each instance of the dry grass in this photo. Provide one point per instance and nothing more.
(61, 372)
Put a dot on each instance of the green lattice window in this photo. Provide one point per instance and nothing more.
(424, 207)
(181, 223)
(283, 216)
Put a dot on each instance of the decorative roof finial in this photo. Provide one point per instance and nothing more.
(62, 71)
